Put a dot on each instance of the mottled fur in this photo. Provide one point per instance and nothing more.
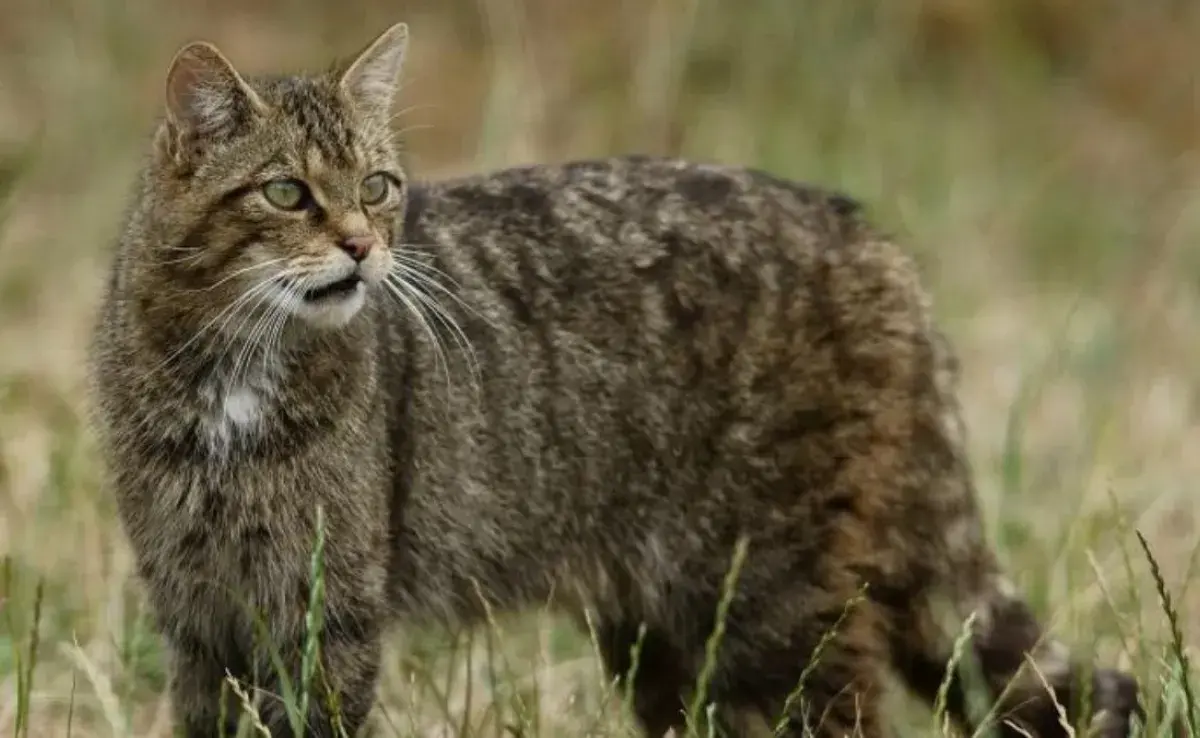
(640, 361)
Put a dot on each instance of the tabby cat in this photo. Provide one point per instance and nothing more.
(580, 383)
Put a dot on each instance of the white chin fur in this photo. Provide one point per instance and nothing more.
(331, 313)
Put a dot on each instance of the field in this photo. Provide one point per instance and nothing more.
(1039, 156)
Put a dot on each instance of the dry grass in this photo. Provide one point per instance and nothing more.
(1038, 155)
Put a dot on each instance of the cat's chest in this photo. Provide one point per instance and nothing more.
(229, 414)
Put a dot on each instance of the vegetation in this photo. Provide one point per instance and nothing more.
(1039, 156)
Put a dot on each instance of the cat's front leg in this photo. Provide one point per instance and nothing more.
(215, 682)
(209, 698)
(201, 699)
(342, 687)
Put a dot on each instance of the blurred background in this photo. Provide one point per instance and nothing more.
(1039, 156)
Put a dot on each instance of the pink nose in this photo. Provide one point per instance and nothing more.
(357, 246)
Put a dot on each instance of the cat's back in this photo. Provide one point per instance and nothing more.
(665, 309)
(635, 207)
(642, 254)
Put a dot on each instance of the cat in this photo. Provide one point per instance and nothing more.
(587, 383)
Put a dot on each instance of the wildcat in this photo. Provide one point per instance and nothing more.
(581, 383)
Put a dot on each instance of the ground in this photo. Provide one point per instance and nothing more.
(1039, 157)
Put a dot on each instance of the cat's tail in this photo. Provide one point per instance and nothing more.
(986, 659)
(959, 598)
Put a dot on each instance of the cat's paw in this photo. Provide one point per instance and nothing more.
(1114, 701)
(1110, 702)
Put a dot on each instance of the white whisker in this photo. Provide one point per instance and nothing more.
(276, 334)
(460, 337)
(419, 284)
(226, 313)
(264, 295)
(410, 109)
(399, 291)
(429, 277)
(409, 256)
(250, 343)
(239, 272)
(414, 127)
(248, 298)
(192, 255)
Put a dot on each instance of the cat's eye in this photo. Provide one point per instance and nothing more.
(374, 189)
(285, 194)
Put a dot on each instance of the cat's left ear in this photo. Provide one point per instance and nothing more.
(371, 80)
(206, 97)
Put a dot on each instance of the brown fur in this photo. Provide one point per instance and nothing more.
(638, 361)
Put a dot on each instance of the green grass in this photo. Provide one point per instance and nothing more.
(1174, 704)
(23, 659)
(1048, 204)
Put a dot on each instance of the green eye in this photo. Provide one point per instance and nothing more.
(285, 194)
(374, 189)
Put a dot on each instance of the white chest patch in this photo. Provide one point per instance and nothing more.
(241, 408)
(232, 413)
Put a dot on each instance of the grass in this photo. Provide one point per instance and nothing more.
(1174, 706)
(1038, 156)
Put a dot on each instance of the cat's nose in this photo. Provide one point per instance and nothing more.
(357, 246)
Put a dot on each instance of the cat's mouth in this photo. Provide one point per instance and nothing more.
(334, 290)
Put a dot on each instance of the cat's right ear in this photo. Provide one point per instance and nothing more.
(371, 79)
(206, 99)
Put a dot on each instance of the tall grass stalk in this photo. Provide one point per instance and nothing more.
(314, 619)
(1178, 646)
(713, 644)
(941, 700)
(826, 638)
(25, 665)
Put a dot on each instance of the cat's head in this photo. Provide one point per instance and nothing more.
(282, 192)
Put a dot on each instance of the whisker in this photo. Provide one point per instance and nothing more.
(414, 127)
(279, 279)
(226, 313)
(250, 344)
(411, 109)
(276, 336)
(252, 295)
(460, 337)
(239, 272)
(409, 256)
(399, 290)
(423, 283)
(192, 255)
(418, 291)
(244, 340)
(292, 283)
(413, 269)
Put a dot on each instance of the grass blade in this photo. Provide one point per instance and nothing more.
(1178, 645)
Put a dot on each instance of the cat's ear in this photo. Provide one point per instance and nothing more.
(371, 80)
(206, 98)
